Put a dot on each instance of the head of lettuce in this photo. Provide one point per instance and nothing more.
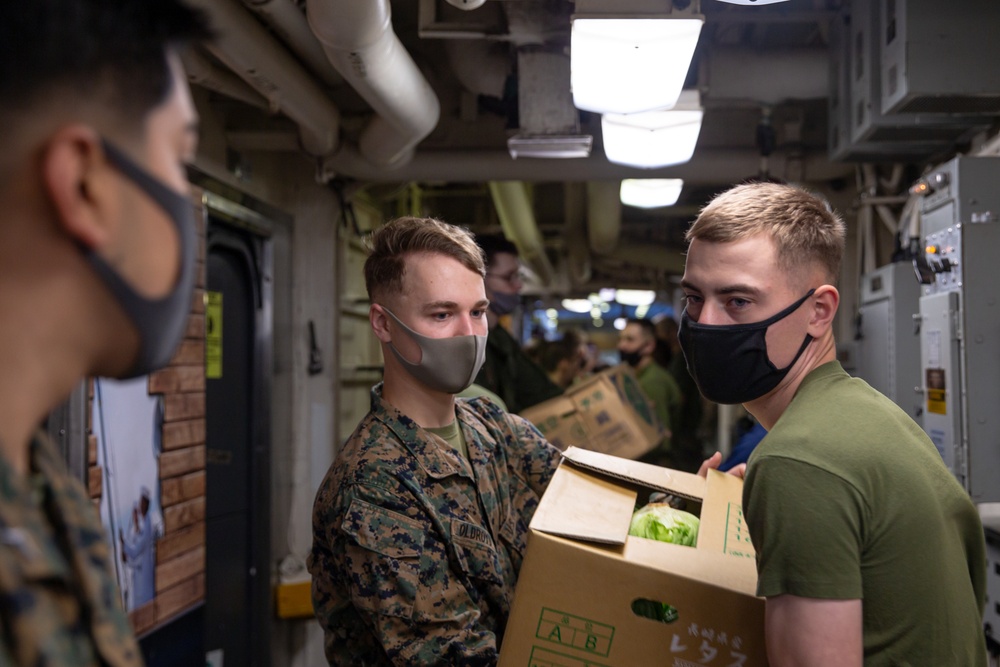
(660, 521)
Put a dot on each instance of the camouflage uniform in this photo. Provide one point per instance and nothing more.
(415, 549)
(59, 602)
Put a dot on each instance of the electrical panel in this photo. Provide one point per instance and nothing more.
(939, 57)
(960, 319)
(869, 121)
(859, 126)
(888, 344)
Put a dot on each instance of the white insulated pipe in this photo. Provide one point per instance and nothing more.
(247, 49)
(290, 23)
(358, 39)
(517, 218)
(201, 72)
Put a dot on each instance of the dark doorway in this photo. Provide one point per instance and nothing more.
(237, 446)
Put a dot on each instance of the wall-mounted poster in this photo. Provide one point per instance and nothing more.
(127, 423)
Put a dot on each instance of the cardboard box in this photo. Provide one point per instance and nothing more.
(582, 573)
(606, 413)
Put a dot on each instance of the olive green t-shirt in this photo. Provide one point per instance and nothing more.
(452, 434)
(661, 388)
(847, 498)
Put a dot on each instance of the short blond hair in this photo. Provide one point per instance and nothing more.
(393, 242)
(805, 229)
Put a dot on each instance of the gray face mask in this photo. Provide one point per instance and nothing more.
(449, 365)
(160, 322)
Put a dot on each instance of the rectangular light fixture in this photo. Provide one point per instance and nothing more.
(550, 146)
(629, 64)
(654, 138)
(651, 192)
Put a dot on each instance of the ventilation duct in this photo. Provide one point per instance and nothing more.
(359, 41)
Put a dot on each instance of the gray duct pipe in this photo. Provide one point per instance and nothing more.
(767, 76)
(286, 19)
(517, 218)
(247, 49)
(707, 167)
(201, 72)
(358, 39)
(604, 216)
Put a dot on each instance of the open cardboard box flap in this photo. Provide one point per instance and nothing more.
(675, 482)
(585, 502)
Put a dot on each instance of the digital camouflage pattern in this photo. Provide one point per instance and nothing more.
(416, 550)
(59, 602)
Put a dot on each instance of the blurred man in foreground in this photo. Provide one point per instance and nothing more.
(97, 257)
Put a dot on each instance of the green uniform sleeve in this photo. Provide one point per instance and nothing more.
(806, 526)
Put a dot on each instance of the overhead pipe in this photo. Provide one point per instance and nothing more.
(707, 167)
(768, 76)
(359, 41)
(517, 218)
(257, 58)
(201, 72)
(481, 67)
(604, 216)
(288, 21)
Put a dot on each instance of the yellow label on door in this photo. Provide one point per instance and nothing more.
(213, 335)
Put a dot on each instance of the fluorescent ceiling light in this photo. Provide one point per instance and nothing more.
(635, 297)
(577, 305)
(628, 65)
(654, 138)
(650, 192)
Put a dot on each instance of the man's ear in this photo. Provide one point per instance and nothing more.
(77, 178)
(379, 320)
(826, 300)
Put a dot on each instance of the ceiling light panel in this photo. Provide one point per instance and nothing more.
(629, 65)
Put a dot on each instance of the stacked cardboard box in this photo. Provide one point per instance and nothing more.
(606, 413)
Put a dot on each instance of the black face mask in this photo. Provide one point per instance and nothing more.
(729, 363)
(631, 358)
(160, 322)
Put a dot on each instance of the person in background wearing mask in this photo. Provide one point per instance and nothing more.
(420, 526)
(636, 345)
(97, 260)
(508, 371)
(859, 527)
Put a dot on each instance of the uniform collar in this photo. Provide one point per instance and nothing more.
(430, 452)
